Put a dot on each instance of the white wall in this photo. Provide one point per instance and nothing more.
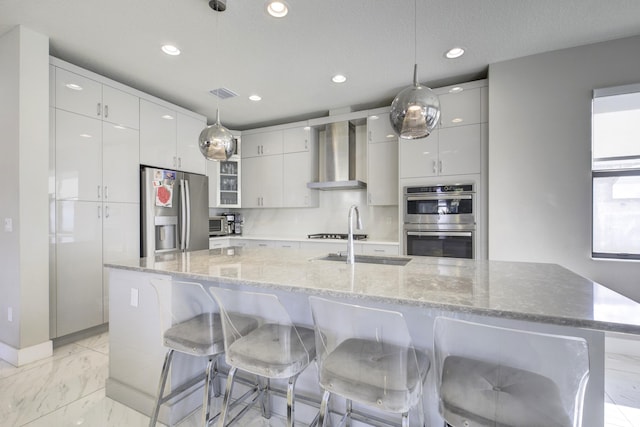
(24, 134)
(540, 154)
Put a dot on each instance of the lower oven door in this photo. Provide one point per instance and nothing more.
(422, 240)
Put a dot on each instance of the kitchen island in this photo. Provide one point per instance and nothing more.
(539, 297)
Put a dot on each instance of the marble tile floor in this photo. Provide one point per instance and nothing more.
(68, 390)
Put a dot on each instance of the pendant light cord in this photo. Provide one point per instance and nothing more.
(415, 31)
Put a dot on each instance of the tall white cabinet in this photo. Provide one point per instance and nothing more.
(95, 214)
(382, 160)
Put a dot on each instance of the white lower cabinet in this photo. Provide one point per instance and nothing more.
(380, 249)
(89, 234)
(79, 300)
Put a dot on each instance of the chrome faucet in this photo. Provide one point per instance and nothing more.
(351, 259)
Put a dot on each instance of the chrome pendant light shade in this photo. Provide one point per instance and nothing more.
(415, 111)
(216, 142)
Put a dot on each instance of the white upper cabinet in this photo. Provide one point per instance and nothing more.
(169, 139)
(297, 139)
(382, 177)
(262, 143)
(82, 95)
(262, 181)
(419, 157)
(190, 159)
(456, 146)
(120, 164)
(460, 108)
(120, 108)
(459, 150)
(78, 165)
(379, 128)
(382, 160)
(158, 132)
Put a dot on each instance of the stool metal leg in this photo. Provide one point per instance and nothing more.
(227, 397)
(206, 404)
(405, 419)
(163, 381)
(290, 401)
(265, 401)
(324, 406)
(216, 379)
(348, 414)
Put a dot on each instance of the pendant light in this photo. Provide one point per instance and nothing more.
(216, 141)
(415, 111)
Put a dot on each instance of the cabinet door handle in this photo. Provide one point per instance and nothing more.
(99, 211)
(106, 111)
(179, 162)
(99, 111)
(306, 144)
(106, 212)
(379, 250)
(106, 192)
(440, 166)
(98, 191)
(434, 167)
(174, 161)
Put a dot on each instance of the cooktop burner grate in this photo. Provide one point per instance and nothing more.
(336, 236)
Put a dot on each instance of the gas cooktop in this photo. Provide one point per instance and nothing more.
(336, 236)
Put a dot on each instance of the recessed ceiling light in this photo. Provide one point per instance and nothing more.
(457, 120)
(170, 50)
(374, 117)
(456, 52)
(456, 89)
(338, 78)
(73, 86)
(85, 135)
(277, 8)
(167, 117)
(255, 97)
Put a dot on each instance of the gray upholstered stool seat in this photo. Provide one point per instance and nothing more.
(197, 332)
(366, 355)
(201, 335)
(490, 375)
(276, 349)
(260, 351)
(369, 372)
(492, 394)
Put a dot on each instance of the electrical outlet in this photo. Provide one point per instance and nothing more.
(10, 314)
(134, 297)
(8, 225)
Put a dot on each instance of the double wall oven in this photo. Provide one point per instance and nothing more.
(439, 220)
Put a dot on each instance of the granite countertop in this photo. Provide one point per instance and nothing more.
(545, 293)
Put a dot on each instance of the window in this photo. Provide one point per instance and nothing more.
(616, 172)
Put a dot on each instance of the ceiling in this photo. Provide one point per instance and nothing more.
(289, 61)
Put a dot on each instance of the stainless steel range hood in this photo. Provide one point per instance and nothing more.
(337, 159)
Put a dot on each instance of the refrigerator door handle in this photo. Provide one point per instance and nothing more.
(183, 219)
(188, 217)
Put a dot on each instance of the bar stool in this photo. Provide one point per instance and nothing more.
(366, 355)
(276, 349)
(193, 327)
(489, 376)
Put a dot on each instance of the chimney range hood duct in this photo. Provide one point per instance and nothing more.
(337, 159)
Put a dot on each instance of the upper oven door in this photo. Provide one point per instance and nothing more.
(441, 208)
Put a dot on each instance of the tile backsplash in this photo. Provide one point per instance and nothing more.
(379, 222)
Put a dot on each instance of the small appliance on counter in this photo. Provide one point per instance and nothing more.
(234, 222)
(218, 226)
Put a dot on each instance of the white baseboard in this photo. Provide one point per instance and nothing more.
(22, 356)
(622, 344)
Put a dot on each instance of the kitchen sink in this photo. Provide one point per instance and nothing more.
(367, 259)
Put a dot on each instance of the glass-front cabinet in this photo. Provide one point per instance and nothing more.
(224, 182)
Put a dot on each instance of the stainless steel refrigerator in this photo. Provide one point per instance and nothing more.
(174, 211)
